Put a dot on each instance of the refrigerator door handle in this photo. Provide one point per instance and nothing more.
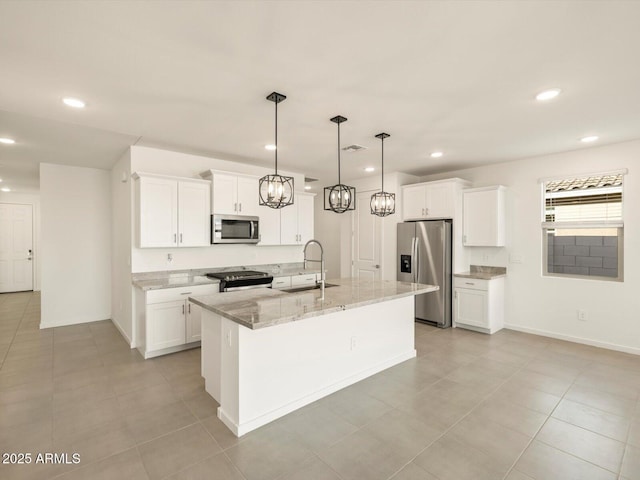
(417, 258)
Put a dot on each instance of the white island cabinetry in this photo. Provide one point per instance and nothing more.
(266, 353)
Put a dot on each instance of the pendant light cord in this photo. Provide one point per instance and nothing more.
(382, 166)
(276, 102)
(339, 182)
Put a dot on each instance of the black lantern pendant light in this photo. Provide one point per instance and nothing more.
(383, 203)
(339, 198)
(276, 191)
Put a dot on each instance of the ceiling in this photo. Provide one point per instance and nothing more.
(459, 77)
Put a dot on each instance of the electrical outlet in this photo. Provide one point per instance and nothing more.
(486, 257)
(513, 258)
(354, 343)
(582, 315)
(169, 257)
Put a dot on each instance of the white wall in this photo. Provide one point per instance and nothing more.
(121, 228)
(548, 305)
(32, 199)
(76, 245)
(145, 159)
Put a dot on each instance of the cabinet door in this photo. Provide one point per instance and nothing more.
(194, 319)
(440, 200)
(225, 198)
(481, 218)
(248, 198)
(269, 225)
(305, 218)
(158, 210)
(289, 224)
(165, 325)
(413, 202)
(471, 307)
(194, 217)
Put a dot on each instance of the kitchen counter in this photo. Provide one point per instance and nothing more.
(259, 308)
(260, 363)
(188, 278)
(482, 272)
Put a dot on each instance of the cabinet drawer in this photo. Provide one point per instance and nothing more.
(307, 279)
(179, 293)
(471, 283)
(281, 282)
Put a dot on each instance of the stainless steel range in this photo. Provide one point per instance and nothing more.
(242, 280)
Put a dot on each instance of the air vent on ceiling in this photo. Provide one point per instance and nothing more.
(354, 148)
(309, 179)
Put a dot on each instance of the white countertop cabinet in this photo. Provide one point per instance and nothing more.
(479, 304)
(166, 321)
(484, 217)
(172, 211)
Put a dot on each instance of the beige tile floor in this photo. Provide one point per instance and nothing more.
(471, 406)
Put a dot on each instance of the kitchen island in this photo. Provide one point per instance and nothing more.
(266, 352)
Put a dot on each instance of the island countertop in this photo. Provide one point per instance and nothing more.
(259, 308)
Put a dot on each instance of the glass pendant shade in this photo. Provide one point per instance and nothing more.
(383, 203)
(339, 198)
(276, 191)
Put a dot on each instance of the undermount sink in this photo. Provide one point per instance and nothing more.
(307, 288)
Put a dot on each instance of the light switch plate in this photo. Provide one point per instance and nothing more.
(515, 258)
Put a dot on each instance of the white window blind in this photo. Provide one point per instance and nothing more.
(590, 201)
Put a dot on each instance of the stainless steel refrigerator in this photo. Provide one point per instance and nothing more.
(424, 256)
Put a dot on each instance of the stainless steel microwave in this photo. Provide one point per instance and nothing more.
(235, 229)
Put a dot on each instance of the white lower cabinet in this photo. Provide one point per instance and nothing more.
(167, 321)
(479, 304)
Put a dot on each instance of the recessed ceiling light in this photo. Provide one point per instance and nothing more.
(5, 189)
(369, 169)
(270, 147)
(589, 139)
(436, 154)
(548, 94)
(8, 141)
(307, 187)
(74, 102)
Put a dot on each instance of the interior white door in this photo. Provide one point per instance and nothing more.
(367, 235)
(16, 247)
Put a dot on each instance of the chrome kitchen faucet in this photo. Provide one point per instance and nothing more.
(321, 261)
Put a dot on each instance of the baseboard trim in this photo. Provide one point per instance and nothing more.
(67, 324)
(246, 427)
(123, 333)
(571, 338)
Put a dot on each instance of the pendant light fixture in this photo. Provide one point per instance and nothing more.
(383, 203)
(276, 191)
(339, 198)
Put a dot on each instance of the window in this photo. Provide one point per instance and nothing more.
(583, 226)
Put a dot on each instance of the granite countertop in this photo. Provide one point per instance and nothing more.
(482, 272)
(188, 278)
(261, 308)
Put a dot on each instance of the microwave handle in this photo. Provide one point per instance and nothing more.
(251, 227)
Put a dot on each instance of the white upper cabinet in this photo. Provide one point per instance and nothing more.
(234, 194)
(484, 217)
(194, 217)
(431, 200)
(172, 211)
(269, 225)
(296, 221)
